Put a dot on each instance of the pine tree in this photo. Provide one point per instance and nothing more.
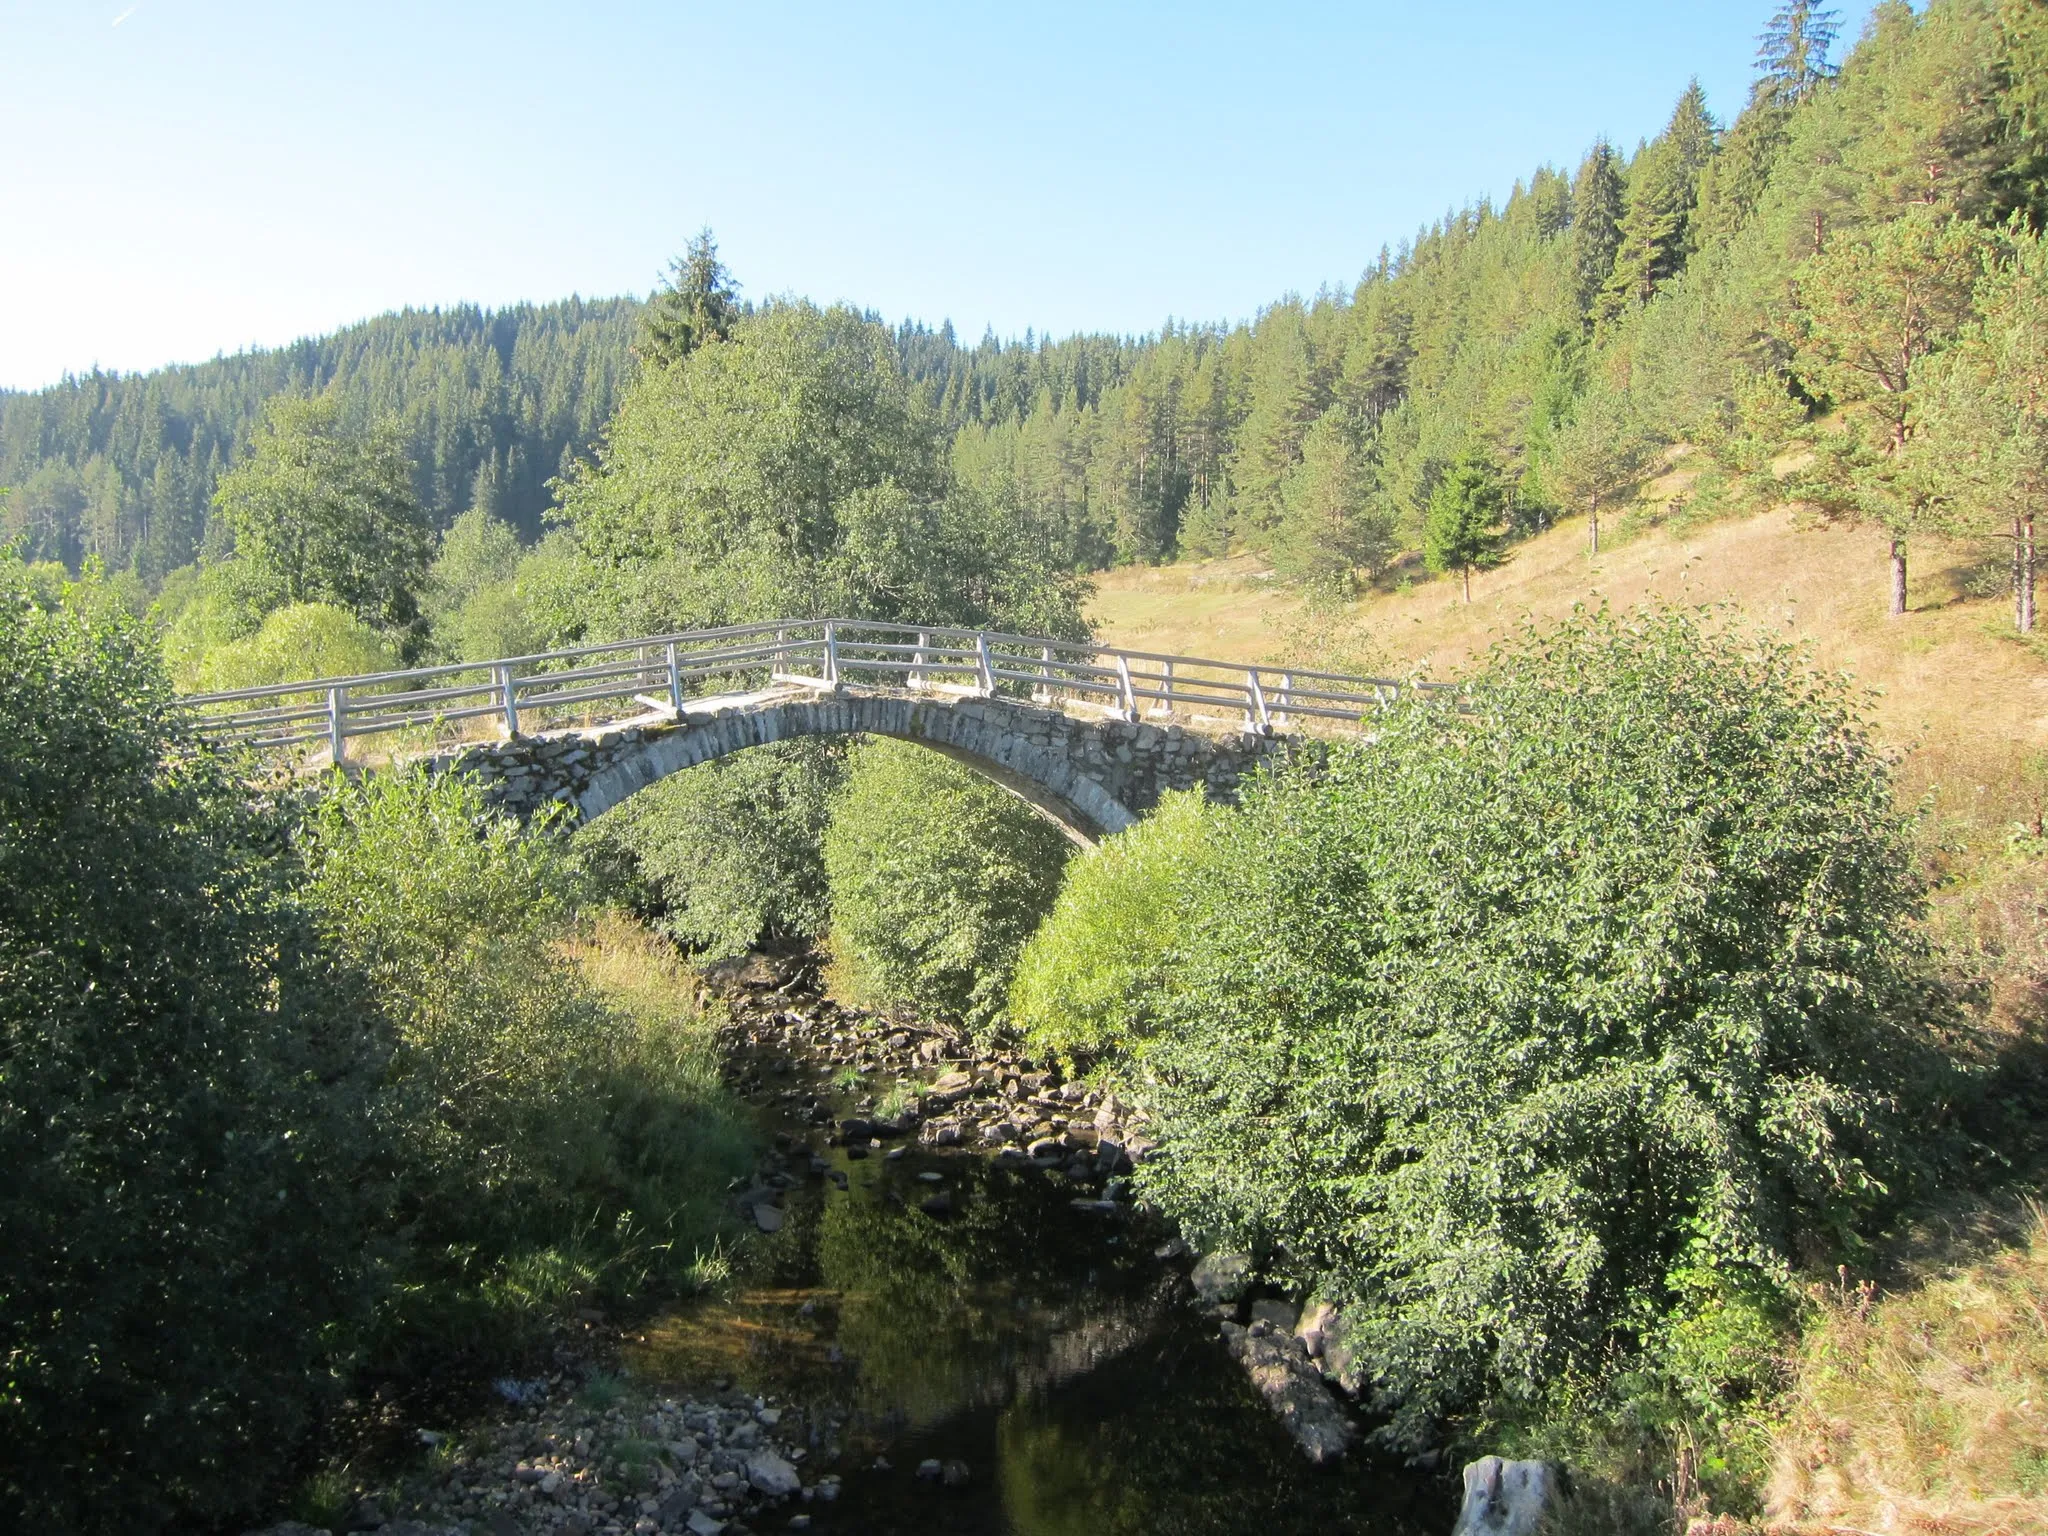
(1792, 52)
(1663, 188)
(1596, 221)
(1983, 444)
(1332, 528)
(1601, 450)
(1868, 312)
(698, 303)
(1461, 531)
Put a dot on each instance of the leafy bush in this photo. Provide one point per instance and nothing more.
(182, 1104)
(1085, 977)
(524, 1103)
(1501, 1024)
(202, 614)
(730, 851)
(473, 599)
(937, 878)
(302, 641)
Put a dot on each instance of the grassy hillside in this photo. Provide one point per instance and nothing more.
(1963, 698)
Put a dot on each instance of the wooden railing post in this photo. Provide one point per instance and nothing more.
(1042, 694)
(831, 656)
(675, 680)
(508, 696)
(924, 642)
(1127, 698)
(1286, 696)
(1164, 706)
(337, 725)
(1256, 718)
(985, 663)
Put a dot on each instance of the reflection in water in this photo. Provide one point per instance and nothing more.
(1043, 1346)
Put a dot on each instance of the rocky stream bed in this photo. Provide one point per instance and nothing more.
(951, 1317)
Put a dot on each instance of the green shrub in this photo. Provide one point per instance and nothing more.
(182, 1104)
(730, 851)
(302, 641)
(1085, 978)
(937, 878)
(525, 1104)
(472, 598)
(1504, 1025)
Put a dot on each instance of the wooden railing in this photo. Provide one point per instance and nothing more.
(668, 673)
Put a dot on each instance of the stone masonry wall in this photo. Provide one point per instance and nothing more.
(1095, 776)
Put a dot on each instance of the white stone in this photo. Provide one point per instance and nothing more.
(1504, 1498)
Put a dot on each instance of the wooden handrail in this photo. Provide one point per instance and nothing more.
(820, 653)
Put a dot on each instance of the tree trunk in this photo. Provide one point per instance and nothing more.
(2023, 573)
(1467, 571)
(1593, 522)
(1898, 578)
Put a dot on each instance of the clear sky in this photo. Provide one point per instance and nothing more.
(187, 177)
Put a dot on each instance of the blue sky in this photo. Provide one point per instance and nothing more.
(187, 177)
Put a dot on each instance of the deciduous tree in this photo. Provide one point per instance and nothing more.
(324, 513)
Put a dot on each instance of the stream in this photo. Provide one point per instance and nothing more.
(979, 1340)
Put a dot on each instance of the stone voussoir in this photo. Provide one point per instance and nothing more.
(1093, 777)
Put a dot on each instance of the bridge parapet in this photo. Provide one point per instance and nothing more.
(1090, 734)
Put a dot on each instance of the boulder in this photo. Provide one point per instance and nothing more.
(1292, 1388)
(1277, 1314)
(771, 1475)
(1328, 1337)
(1220, 1277)
(1505, 1498)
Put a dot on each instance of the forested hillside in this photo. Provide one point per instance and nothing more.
(488, 402)
(1550, 346)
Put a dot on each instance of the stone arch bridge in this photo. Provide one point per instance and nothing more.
(1089, 736)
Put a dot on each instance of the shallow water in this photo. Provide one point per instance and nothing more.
(1044, 1347)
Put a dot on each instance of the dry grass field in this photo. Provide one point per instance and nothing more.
(1962, 697)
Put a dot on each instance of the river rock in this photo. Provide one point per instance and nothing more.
(1220, 1277)
(1505, 1498)
(771, 1475)
(768, 1217)
(1327, 1336)
(1276, 1314)
(1291, 1386)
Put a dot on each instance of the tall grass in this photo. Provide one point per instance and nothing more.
(1926, 1411)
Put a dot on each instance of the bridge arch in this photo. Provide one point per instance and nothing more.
(1092, 777)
